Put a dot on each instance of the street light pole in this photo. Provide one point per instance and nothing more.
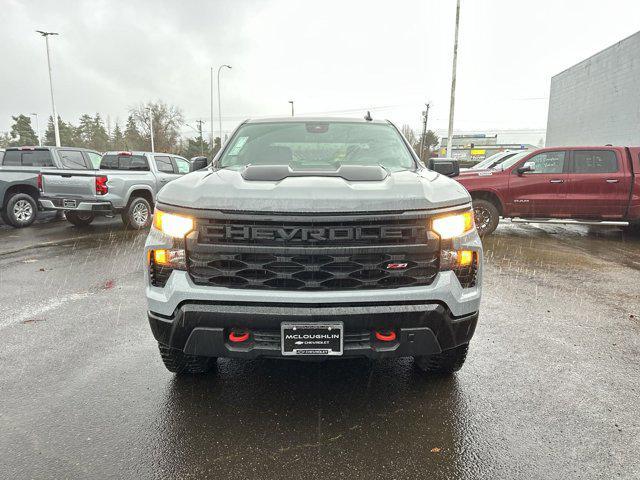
(291, 102)
(37, 128)
(53, 103)
(219, 107)
(453, 83)
(212, 110)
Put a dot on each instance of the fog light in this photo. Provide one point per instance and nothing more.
(450, 259)
(463, 263)
(465, 258)
(172, 258)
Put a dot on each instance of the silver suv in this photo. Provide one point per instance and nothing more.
(313, 238)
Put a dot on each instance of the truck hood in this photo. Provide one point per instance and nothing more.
(227, 190)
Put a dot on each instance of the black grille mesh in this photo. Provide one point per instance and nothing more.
(312, 272)
(159, 275)
(467, 275)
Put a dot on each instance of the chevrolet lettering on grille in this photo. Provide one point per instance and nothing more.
(311, 234)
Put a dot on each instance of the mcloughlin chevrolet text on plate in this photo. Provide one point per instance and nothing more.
(313, 239)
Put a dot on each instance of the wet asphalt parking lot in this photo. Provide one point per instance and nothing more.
(550, 389)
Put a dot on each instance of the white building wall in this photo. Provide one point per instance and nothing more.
(597, 101)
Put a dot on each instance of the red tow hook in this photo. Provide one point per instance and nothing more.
(238, 337)
(386, 335)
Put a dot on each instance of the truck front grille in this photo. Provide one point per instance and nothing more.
(314, 256)
(333, 271)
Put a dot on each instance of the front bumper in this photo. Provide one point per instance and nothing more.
(82, 206)
(421, 328)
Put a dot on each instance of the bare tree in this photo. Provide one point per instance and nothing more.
(167, 120)
(409, 134)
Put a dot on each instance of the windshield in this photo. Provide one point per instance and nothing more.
(317, 145)
(487, 162)
(511, 161)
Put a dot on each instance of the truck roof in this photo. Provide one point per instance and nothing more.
(313, 119)
(46, 147)
(137, 152)
(579, 147)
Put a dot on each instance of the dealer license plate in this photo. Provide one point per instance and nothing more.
(312, 338)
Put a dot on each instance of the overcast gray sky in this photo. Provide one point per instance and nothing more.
(339, 57)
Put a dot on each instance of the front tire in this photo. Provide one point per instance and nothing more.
(443, 363)
(138, 214)
(486, 216)
(180, 363)
(80, 219)
(21, 210)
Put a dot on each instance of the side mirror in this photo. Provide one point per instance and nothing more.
(444, 166)
(527, 167)
(198, 163)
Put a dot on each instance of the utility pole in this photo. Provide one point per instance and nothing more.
(37, 128)
(291, 102)
(153, 148)
(453, 83)
(56, 129)
(199, 122)
(425, 117)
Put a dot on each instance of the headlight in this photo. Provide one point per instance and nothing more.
(454, 225)
(176, 226)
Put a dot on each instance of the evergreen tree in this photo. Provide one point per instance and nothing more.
(132, 138)
(85, 131)
(195, 147)
(216, 147)
(69, 135)
(5, 140)
(116, 142)
(49, 134)
(430, 141)
(22, 133)
(100, 140)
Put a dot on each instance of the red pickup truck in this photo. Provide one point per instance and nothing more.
(591, 185)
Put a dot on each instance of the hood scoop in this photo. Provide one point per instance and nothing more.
(352, 173)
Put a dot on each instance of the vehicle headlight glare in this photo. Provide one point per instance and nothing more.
(454, 225)
(176, 226)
